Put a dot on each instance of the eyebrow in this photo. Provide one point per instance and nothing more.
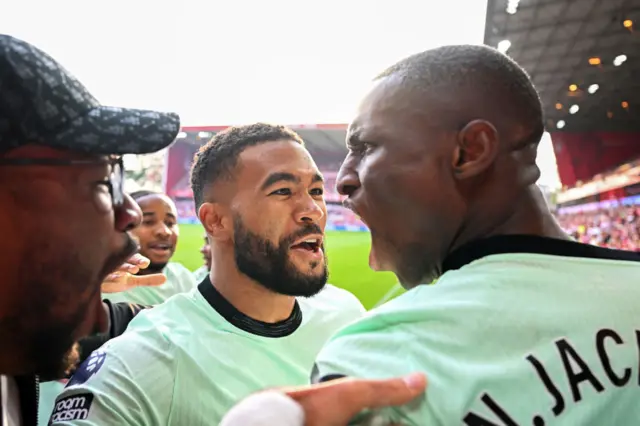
(286, 177)
(150, 214)
(354, 137)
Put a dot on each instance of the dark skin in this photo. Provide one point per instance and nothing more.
(158, 233)
(63, 237)
(425, 186)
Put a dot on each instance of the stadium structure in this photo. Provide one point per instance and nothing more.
(584, 58)
(325, 142)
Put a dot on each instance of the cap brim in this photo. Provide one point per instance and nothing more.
(116, 131)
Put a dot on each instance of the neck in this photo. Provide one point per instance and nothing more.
(531, 217)
(10, 364)
(249, 296)
(152, 269)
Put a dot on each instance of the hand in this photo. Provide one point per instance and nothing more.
(336, 402)
(333, 403)
(124, 278)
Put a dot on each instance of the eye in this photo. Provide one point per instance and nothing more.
(361, 147)
(281, 191)
(317, 192)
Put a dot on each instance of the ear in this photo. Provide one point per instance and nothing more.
(215, 221)
(477, 148)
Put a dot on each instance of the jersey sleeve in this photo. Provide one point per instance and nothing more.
(366, 350)
(127, 382)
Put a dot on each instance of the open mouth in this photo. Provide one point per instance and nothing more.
(161, 247)
(312, 244)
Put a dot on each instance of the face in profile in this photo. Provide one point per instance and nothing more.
(398, 178)
(63, 237)
(279, 219)
(158, 233)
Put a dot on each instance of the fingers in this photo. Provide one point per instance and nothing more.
(353, 396)
(132, 266)
(139, 260)
(150, 280)
(125, 268)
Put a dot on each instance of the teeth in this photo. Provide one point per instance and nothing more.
(313, 241)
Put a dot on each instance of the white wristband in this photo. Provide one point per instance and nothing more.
(265, 409)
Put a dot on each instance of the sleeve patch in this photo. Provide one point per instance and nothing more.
(74, 407)
(88, 368)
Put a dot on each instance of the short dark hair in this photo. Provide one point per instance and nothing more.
(143, 193)
(476, 70)
(218, 158)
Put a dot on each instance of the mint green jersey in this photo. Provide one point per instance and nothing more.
(47, 395)
(179, 280)
(200, 274)
(189, 360)
(509, 339)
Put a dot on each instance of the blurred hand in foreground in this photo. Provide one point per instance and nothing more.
(124, 277)
(333, 403)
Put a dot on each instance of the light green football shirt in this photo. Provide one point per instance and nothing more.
(507, 340)
(179, 280)
(200, 274)
(49, 391)
(182, 363)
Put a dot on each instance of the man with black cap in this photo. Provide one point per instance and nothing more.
(64, 219)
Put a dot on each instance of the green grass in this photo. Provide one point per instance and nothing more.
(348, 254)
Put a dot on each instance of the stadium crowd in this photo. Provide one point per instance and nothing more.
(122, 335)
(616, 227)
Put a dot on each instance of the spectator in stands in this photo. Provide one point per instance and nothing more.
(157, 237)
(202, 272)
(65, 218)
(617, 227)
(261, 316)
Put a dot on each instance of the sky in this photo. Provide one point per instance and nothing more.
(234, 62)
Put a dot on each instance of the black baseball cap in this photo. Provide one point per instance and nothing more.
(42, 103)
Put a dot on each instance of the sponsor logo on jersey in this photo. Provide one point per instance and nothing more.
(74, 407)
(88, 368)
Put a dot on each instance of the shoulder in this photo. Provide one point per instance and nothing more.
(180, 276)
(133, 370)
(332, 296)
(173, 314)
(177, 268)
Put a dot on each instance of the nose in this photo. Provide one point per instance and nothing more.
(127, 216)
(162, 229)
(310, 211)
(347, 181)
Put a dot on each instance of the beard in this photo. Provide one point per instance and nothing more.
(44, 327)
(153, 268)
(270, 266)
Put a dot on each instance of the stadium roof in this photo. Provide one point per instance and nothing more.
(575, 42)
(326, 142)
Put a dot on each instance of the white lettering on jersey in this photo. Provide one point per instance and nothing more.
(74, 407)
